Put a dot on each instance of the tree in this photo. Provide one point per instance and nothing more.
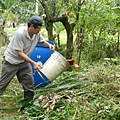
(98, 27)
(65, 12)
(5, 14)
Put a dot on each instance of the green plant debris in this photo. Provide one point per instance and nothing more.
(80, 96)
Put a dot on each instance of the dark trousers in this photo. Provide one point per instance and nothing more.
(23, 72)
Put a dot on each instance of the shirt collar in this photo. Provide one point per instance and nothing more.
(28, 36)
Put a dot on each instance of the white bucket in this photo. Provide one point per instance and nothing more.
(54, 66)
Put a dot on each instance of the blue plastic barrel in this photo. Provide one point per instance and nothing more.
(40, 53)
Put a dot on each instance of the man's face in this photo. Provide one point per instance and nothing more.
(35, 30)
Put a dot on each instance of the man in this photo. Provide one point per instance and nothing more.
(16, 57)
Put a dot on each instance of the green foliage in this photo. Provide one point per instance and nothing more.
(58, 27)
(9, 3)
(101, 30)
(19, 11)
(93, 94)
(62, 49)
(6, 4)
(24, 10)
(6, 11)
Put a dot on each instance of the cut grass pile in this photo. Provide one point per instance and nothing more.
(90, 95)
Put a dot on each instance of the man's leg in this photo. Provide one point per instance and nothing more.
(7, 74)
(25, 77)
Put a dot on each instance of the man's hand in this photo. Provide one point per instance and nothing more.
(37, 66)
(45, 43)
(52, 47)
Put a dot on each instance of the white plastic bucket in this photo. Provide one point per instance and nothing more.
(54, 66)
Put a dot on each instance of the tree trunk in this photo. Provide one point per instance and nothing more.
(118, 44)
(58, 37)
(69, 51)
(4, 39)
(49, 27)
(79, 41)
(69, 30)
(79, 38)
(48, 23)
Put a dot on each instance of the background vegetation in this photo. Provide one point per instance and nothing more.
(87, 30)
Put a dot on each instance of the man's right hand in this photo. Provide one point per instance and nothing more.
(37, 66)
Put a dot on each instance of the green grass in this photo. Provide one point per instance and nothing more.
(9, 101)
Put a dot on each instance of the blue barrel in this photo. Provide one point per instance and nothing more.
(40, 53)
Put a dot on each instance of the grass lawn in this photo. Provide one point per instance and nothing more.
(9, 101)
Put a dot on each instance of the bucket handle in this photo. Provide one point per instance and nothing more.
(42, 78)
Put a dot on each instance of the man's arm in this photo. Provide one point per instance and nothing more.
(26, 58)
(45, 43)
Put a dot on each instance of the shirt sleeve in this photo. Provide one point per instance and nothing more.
(17, 42)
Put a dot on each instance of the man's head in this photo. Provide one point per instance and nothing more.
(34, 24)
(35, 21)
